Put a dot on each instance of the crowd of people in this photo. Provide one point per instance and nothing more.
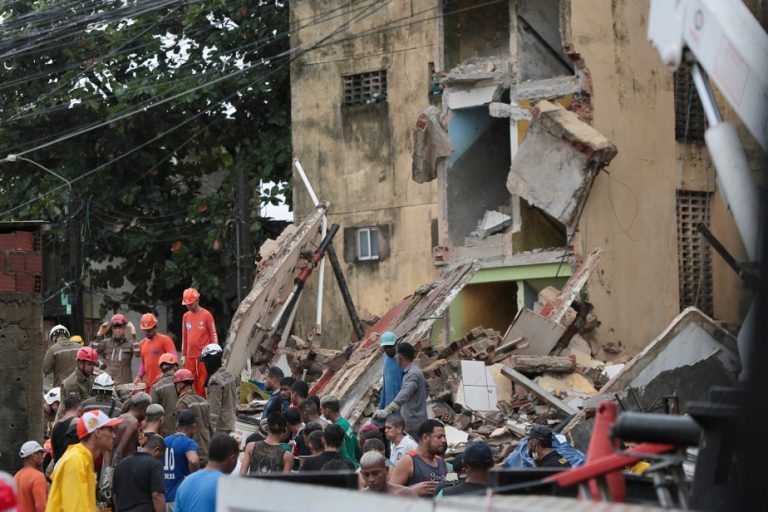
(164, 448)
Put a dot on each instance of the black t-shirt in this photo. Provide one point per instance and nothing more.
(553, 460)
(317, 462)
(465, 488)
(59, 439)
(135, 479)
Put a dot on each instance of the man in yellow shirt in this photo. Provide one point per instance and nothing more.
(73, 484)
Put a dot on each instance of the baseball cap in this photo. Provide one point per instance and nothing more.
(187, 417)
(53, 395)
(388, 339)
(94, 420)
(541, 432)
(478, 455)
(30, 448)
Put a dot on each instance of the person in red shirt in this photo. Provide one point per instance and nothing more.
(30, 481)
(151, 348)
(197, 330)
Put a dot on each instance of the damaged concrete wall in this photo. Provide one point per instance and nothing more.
(631, 211)
(363, 169)
(21, 384)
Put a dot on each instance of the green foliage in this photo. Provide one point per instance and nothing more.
(162, 216)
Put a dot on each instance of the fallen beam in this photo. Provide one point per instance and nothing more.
(537, 390)
(541, 364)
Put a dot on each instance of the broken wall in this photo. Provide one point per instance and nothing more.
(359, 157)
(472, 32)
(21, 380)
(631, 211)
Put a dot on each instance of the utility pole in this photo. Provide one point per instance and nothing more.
(244, 240)
(75, 264)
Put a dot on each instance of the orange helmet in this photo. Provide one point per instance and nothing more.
(148, 321)
(183, 375)
(168, 358)
(189, 296)
(118, 319)
(87, 354)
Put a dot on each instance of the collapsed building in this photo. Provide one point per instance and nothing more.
(428, 142)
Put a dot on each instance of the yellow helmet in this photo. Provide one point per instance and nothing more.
(77, 338)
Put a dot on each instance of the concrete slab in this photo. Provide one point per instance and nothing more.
(557, 161)
(540, 334)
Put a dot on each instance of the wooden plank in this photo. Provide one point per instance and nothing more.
(537, 390)
(540, 333)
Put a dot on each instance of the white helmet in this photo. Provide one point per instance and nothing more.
(53, 395)
(210, 350)
(104, 382)
(56, 329)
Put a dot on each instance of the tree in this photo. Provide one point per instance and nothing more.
(157, 185)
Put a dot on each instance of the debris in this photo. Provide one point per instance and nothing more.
(492, 222)
(455, 436)
(249, 334)
(539, 364)
(571, 384)
(537, 390)
(555, 165)
(477, 389)
(558, 308)
(430, 144)
(540, 333)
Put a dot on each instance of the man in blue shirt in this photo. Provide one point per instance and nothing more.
(198, 491)
(393, 374)
(272, 383)
(180, 454)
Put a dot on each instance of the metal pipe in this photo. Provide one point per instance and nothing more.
(705, 94)
(321, 275)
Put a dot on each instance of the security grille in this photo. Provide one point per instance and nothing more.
(365, 88)
(690, 122)
(694, 255)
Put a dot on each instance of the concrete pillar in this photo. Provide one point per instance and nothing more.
(21, 383)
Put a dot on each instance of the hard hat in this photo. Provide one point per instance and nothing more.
(168, 358)
(77, 339)
(388, 339)
(210, 350)
(118, 319)
(87, 354)
(104, 382)
(183, 375)
(148, 321)
(53, 395)
(56, 329)
(7, 496)
(189, 296)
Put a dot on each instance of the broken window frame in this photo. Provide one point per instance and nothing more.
(365, 88)
(372, 242)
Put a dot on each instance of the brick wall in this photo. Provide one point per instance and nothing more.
(21, 262)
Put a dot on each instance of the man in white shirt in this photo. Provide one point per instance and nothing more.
(400, 443)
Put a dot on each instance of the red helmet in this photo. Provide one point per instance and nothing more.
(168, 358)
(118, 319)
(148, 321)
(87, 354)
(189, 296)
(183, 375)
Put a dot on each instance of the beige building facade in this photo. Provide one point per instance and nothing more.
(362, 74)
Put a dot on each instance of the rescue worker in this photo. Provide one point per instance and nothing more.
(117, 351)
(151, 348)
(197, 330)
(223, 391)
(77, 339)
(103, 397)
(188, 399)
(79, 383)
(163, 392)
(60, 357)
